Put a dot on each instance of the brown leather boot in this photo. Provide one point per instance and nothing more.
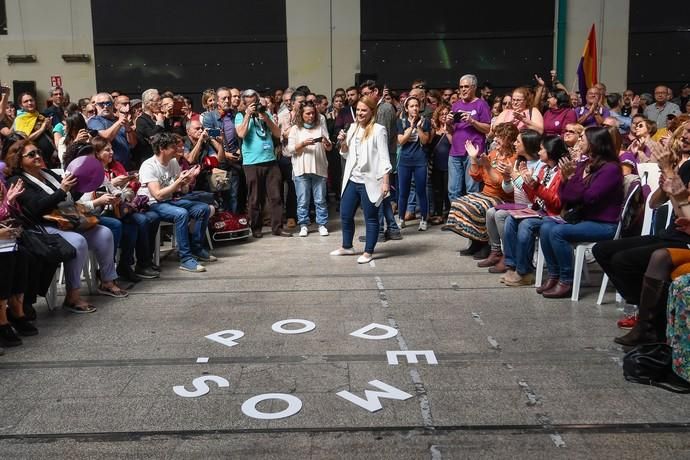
(494, 257)
(550, 283)
(500, 266)
(650, 327)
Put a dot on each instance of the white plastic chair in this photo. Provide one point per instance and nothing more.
(157, 243)
(580, 266)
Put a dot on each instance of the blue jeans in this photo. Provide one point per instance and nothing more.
(354, 195)
(386, 212)
(307, 185)
(519, 237)
(405, 174)
(556, 241)
(180, 212)
(459, 180)
(139, 232)
(229, 202)
(115, 226)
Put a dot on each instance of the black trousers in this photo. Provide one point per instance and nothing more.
(14, 272)
(625, 261)
(290, 199)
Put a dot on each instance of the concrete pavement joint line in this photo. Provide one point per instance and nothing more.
(302, 359)
(419, 387)
(438, 430)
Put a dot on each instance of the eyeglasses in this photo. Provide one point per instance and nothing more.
(570, 131)
(32, 154)
(104, 104)
(91, 112)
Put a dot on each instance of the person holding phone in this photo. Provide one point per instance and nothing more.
(307, 146)
(366, 178)
(414, 132)
(470, 122)
(161, 178)
(114, 123)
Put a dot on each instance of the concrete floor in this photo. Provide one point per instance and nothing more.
(518, 376)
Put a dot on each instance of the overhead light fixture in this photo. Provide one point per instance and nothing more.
(21, 58)
(76, 57)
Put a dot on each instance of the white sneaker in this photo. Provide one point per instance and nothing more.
(343, 252)
(304, 231)
(422, 225)
(323, 231)
(364, 259)
(589, 257)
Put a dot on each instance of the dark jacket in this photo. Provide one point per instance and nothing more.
(36, 203)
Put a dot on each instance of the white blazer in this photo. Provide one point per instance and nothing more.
(377, 162)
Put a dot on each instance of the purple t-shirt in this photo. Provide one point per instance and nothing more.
(591, 121)
(480, 111)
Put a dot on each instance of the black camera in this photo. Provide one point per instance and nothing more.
(260, 108)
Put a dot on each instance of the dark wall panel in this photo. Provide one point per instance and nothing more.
(407, 46)
(184, 46)
(659, 46)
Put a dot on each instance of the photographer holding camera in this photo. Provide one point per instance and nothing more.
(114, 123)
(257, 129)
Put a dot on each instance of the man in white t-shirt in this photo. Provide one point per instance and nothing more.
(161, 180)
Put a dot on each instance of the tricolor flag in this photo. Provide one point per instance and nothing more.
(587, 70)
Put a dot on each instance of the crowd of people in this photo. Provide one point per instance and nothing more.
(538, 166)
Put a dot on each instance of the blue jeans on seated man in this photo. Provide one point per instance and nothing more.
(556, 240)
(307, 185)
(460, 182)
(354, 195)
(139, 231)
(115, 226)
(519, 239)
(180, 212)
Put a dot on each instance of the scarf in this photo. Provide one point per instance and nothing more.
(26, 122)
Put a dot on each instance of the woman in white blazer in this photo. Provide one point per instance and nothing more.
(366, 177)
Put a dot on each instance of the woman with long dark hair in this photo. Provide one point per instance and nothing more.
(591, 192)
(559, 113)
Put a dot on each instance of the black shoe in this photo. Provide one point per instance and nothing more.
(393, 235)
(153, 267)
(146, 273)
(282, 233)
(127, 274)
(30, 312)
(8, 338)
(22, 325)
(483, 252)
(472, 248)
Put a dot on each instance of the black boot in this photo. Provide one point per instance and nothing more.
(483, 252)
(651, 324)
(472, 248)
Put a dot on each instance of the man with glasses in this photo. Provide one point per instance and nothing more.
(471, 122)
(56, 112)
(660, 111)
(594, 111)
(114, 123)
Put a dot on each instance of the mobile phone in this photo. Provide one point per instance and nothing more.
(458, 116)
(133, 174)
(213, 132)
(92, 132)
(4, 89)
(318, 139)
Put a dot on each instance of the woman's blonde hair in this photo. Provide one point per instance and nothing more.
(371, 103)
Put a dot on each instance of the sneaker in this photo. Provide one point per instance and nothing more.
(191, 265)
(323, 231)
(127, 274)
(628, 322)
(422, 225)
(393, 235)
(364, 259)
(205, 256)
(343, 252)
(304, 231)
(147, 273)
(8, 338)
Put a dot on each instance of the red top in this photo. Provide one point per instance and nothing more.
(547, 193)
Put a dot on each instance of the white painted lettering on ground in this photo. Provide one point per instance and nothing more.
(411, 356)
(307, 326)
(249, 406)
(227, 341)
(200, 387)
(372, 402)
(363, 332)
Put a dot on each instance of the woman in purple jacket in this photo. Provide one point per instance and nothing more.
(593, 191)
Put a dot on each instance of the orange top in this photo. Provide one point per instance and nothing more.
(492, 187)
